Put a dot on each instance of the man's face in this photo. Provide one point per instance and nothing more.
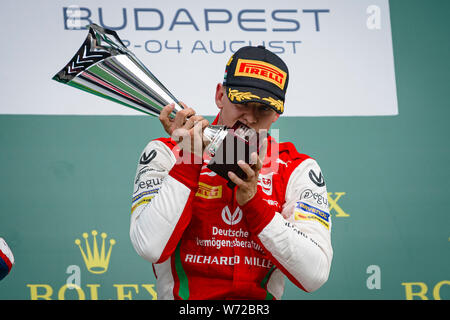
(255, 115)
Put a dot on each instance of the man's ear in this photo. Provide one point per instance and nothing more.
(220, 93)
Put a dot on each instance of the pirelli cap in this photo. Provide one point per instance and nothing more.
(254, 74)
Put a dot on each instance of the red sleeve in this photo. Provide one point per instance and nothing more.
(257, 213)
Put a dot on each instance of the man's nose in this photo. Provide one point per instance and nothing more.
(250, 114)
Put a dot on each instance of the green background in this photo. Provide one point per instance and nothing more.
(61, 176)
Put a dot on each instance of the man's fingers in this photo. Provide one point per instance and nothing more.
(263, 151)
(196, 139)
(192, 121)
(253, 159)
(180, 117)
(259, 159)
(247, 169)
(183, 104)
(164, 117)
(195, 128)
(205, 123)
(189, 124)
(166, 111)
(238, 181)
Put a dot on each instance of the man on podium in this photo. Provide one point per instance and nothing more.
(209, 241)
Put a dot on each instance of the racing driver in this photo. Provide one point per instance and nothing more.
(208, 241)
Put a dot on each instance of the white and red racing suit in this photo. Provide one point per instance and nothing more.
(203, 245)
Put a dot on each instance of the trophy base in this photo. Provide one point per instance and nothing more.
(222, 170)
(238, 144)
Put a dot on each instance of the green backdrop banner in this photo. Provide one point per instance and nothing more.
(68, 179)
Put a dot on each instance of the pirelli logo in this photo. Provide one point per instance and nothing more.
(208, 192)
(261, 70)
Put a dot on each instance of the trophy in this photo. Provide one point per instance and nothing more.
(105, 67)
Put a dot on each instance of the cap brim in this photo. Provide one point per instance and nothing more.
(239, 95)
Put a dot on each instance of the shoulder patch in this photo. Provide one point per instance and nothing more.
(305, 211)
(288, 150)
(168, 141)
(171, 144)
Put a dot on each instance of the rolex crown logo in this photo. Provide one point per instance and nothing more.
(96, 262)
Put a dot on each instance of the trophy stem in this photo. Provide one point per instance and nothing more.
(214, 135)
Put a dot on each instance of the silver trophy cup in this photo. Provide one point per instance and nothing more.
(105, 67)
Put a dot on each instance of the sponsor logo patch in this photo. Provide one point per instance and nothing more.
(231, 218)
(261, 70)
(265, 181)
(308, 194)
(145, 193)
(305, 211)
(318, 180)
(208, 192)
(147, 158)
(143, 201)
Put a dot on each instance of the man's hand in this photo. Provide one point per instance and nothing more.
(247, 188)
(186, 128)
(169, 124)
